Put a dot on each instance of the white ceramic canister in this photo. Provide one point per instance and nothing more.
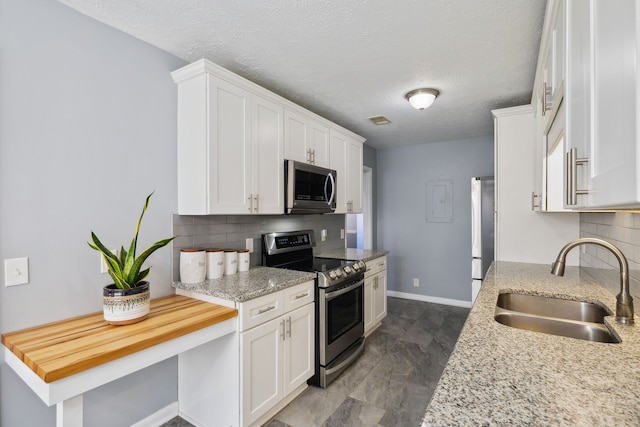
(230, 262)
(244, 259)
(215, 263)
(193, 265)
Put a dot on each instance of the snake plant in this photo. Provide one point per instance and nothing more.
(124, 268)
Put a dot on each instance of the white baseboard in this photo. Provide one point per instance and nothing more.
(159, 417)
(427, 298)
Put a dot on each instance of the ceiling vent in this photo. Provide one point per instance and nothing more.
(380, 120)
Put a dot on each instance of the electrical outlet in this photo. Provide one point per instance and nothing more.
(323, 234)
(416, 283)
(103, 264)
(249, 245)
(16, 271)
(342, 233)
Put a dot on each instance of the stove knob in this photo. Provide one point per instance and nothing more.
(356, 267)
(361, 263)
(338, 272)
(347, 270)
(332, 275)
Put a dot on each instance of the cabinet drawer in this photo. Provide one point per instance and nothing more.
(376, 265)
(298, 296)
(260, 310)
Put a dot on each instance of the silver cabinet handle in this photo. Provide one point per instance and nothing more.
(572, 187)
(289, 326)
(534, 196)
(302, 295)
(264, 310)
(250, 202)
(282, 329)
(313, 157)
(257, 202)
(546, 91)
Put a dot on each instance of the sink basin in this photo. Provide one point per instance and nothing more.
(555, 316)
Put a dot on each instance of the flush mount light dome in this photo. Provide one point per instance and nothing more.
(422, 98)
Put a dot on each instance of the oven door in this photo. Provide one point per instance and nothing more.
(341, 321)
(309, 189)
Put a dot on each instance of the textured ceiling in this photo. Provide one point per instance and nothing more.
(348, 60)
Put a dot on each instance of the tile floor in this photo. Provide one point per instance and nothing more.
(391, 384)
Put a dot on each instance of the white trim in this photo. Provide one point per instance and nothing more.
(513, 111)
(367, 217)
(427, 298)
(159, 417)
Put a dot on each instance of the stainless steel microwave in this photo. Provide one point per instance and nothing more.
(309, 188)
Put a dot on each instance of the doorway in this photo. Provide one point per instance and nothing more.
(359, 227)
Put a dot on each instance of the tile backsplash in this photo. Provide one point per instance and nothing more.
(231, 232)
(621, 229)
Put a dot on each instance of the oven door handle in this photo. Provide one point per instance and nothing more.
(332, 295)
(346, 362)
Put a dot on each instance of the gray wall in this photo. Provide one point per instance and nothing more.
(438, 254)
(87, 130)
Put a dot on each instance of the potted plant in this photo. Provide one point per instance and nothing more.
(127, 299)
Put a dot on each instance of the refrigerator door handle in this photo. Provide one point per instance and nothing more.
(476, 218)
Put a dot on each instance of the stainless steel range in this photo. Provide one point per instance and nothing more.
(339, 299)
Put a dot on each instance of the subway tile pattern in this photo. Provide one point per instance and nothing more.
(231, 232)
(621, 229)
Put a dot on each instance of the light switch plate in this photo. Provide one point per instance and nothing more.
(16, 271)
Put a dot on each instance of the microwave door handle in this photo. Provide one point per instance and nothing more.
(333, 188)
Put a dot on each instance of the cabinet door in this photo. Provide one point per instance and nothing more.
(229, 148)
(339, 164)
(354, 175)
(299, 349)
(319, 143)
(261, 374)
(578, 94)
(268, 157)
(380, 299)
(613, 162)
(296, 137)
(368, 303)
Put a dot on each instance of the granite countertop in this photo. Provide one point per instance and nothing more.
(502, 376)
(353, 254)
(247, 285)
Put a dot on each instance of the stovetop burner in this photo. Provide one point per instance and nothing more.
(293, 250)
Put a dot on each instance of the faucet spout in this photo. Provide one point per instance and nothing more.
(624, 302)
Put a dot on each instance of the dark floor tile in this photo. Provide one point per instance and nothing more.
(429, 368)
(404, 308)
(355, 413)
(276, 423)
(408, 407)
(177, 422)
(396, 326)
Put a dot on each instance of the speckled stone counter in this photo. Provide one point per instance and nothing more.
(353, 254)
(503, 376)
(244, 286)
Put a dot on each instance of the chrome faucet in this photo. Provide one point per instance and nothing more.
(624, 302)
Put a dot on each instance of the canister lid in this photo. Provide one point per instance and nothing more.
(191, 250)
(213, 250)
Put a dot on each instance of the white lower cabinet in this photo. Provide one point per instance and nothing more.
(277, 355)
(375, 293)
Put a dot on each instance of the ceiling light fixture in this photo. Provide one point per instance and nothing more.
(421, 99)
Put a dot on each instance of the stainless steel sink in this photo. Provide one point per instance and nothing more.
(555, 316)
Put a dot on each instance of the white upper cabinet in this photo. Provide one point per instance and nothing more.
(603, 169)
(346, 159)
(306, 139)
(549, 115)
(587, 97)
(233, 138)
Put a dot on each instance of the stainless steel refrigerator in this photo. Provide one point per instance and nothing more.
(482, 230)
